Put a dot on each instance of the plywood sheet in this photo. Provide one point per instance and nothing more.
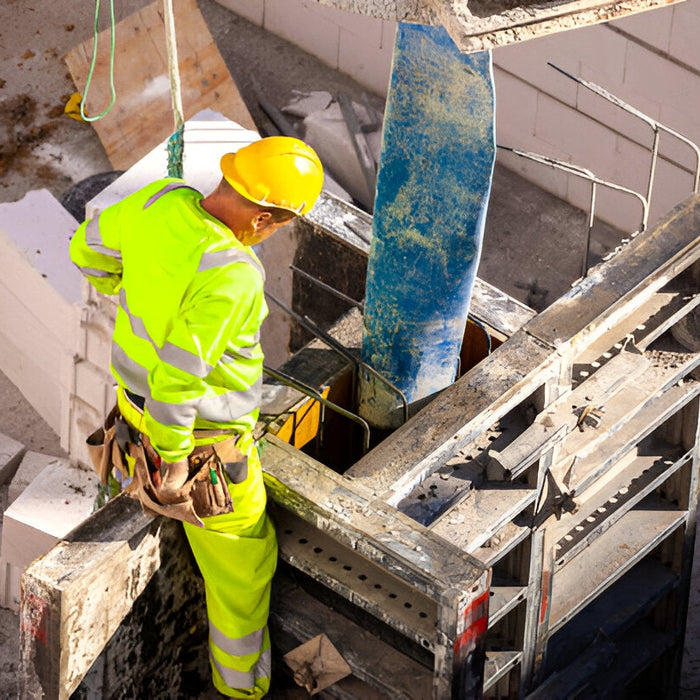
(142, 115)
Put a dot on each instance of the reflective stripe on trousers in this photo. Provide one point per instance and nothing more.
(237, 555)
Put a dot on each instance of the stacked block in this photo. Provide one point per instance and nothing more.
(355, 44)
(39, 303)
(44, 510)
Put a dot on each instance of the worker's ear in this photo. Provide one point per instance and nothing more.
(261, 221)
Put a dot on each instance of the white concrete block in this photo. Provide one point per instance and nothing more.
(602, 54)
(37, 380)
(528, 61)
(684, 43)
(208, 136)
(351, 22)
(590, 144)
(252, 10)
(84, 419)
(365, 56)
(34, 241)
(614, 117)
(622, 210)
(93, 385)
(28, 331)
(651, 27)
(363, 28)
(40, 228)
(671, 187)
(55, 502)
(686, 123)
(578, 194)
(543, 176)
(514, 97)
(11, 452)
(98, 346)
(647, 73)
(31, 465)
(306, 24)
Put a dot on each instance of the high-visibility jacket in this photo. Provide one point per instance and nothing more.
(186, 336)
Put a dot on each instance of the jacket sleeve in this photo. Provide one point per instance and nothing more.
(218, 315)
(99, 263)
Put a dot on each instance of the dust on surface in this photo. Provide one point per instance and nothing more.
(23, 127)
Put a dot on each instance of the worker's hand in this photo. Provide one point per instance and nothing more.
(173, 476)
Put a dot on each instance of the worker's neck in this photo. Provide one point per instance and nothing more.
(214, 206)
(234, 211)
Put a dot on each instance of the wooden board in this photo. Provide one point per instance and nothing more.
(142, 115)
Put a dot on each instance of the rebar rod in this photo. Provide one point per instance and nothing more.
(585, 174)
(328, 288)
(653, 123)
(312, 393)
(310, 326)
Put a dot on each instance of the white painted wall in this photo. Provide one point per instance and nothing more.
(650, 60)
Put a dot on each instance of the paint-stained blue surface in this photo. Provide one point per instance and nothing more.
(433, 186)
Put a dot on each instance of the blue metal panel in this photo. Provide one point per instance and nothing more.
(433, 187)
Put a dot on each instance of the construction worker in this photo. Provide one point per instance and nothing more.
(188, 365)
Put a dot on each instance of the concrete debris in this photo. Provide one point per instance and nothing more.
(325, 128)
(304, 103)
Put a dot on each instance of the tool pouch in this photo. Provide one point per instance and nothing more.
(203, 495)
(209, 492)
(115, 446)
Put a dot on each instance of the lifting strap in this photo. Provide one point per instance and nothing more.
(176, 145)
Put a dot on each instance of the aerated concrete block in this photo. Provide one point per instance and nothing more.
(252, 10)
(30, 466)
(35, 236)
(208, 136)
(56, 501)
(11, 453)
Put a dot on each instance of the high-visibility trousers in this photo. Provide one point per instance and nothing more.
(237, 555)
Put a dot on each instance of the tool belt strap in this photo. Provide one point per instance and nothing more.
(133, 415)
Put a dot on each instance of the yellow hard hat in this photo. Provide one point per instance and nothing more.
(277, 171)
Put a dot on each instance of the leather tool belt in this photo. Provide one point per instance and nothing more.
(117, 449)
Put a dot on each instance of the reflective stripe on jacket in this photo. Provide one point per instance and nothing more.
(191, 302)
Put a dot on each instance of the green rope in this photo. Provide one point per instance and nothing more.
(176, 151)
(113, 92)
(176, 143)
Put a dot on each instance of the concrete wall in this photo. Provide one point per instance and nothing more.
(650, 60)
(353, 44)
